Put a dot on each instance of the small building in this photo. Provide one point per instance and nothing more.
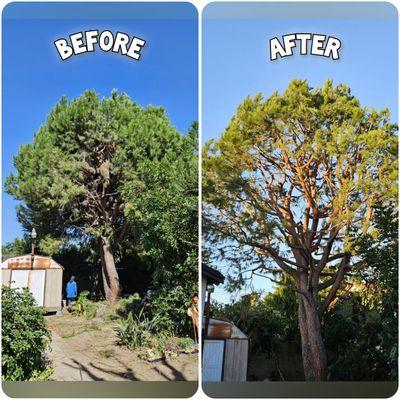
(41, 275)
(225, 346)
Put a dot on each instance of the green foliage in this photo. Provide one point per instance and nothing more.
(132, 304)
(353, 335)
(168, 347)
(106, 353)
(25, 337)
(67, 335)
(44, 375)
(284, 159)
(83, 306)
(16, 248)
(362, 332)
(105, 169)
(172, 296)
(165, 213)
(136, 330)
(380, 253)
(265, 320)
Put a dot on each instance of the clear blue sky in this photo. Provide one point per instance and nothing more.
(35, 78)
(236, 64)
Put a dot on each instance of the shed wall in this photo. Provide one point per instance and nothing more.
(235, 366)
(6, 277)
(53, 289)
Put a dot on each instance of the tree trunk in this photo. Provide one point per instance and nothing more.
(312, 346)
(111, 284)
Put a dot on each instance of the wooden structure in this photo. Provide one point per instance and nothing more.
(41, 275)
(209, 276)
(225, 346)
(225, 353)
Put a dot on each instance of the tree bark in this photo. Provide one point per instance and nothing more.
(112, 290)
(312, 346)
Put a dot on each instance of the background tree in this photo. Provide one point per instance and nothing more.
(71, 180)
(372, 313)
(289, 182)
(164, 213)
(15, 248)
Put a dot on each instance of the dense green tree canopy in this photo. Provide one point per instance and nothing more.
(84, 177)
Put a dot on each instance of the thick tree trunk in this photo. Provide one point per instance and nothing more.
(111, 284)
(312, 346)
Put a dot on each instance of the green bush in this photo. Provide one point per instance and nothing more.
(266, 320)
(131, 304)
(25, 337)
(83, 306)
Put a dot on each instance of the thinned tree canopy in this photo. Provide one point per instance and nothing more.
(292, 179)
(293, 175)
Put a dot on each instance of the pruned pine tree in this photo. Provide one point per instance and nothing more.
(290, 181)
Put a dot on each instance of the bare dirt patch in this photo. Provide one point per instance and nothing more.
(87, 350)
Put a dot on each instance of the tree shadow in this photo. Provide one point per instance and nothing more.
(177, 374)
(128, 374)
(79, 366)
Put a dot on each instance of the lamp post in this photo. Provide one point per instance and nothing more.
(33, 237)
(210, 289)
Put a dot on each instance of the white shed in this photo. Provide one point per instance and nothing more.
(41, 275)
(225, 346)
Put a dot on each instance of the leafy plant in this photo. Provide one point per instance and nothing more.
(150, 354)
(25, 336)
(129, 304)
(136, 330)
(83, 306)
(165, 212)
(185, 344)
(43, 375)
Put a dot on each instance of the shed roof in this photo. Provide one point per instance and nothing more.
(213, 276)
(25, 262)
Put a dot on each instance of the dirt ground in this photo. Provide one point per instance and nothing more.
(85, 350)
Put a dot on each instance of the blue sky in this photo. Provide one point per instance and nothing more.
(236, 63)
(35, 78)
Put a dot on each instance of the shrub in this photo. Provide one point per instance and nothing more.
(83, 306)
(174, 285)
(264, 325)
(131, 304)
(185, 344)
(25, 337)
(42, 376)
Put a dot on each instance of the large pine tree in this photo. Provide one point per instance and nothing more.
(290, 181)
(73, 179)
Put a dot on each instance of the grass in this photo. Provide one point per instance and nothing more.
(106, 353)
(93, 327)
(67, 335)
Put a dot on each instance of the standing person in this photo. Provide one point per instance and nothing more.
(193, 312)
(72, 291)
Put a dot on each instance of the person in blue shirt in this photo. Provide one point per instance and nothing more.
(72, 291)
